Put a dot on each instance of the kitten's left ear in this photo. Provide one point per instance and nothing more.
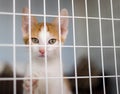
(63, 23)
(25, 22)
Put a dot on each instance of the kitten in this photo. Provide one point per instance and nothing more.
(49, 35)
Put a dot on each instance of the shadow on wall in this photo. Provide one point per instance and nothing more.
(83, 79)
(6, 86)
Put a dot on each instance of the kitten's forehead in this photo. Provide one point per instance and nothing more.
(44, 34)
(48, 30)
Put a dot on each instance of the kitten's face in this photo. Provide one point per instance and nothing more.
(44, 39)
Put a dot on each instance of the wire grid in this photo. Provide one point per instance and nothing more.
(14, 45)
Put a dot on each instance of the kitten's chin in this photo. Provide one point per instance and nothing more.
(38, 57)
(41, 56)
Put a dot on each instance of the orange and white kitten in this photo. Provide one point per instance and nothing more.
(49, 35)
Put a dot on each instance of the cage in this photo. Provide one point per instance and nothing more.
(90, 55)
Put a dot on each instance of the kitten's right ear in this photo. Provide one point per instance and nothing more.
(25, 21)
(63, 23)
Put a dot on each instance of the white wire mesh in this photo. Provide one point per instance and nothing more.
(90, 15)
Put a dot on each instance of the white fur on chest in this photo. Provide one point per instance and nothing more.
(49, 68)
(51, 72)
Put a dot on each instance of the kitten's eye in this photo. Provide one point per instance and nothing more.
(35, 40)
(52, 41)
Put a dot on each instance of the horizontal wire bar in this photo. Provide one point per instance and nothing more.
(65, 77)
(71, 46)
(42, 15)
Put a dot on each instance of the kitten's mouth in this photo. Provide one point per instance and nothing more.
(42, 55)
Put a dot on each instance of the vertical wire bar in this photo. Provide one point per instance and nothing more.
(101, 45)
(30, 57)
(88, 47)
(114, 45)
(46, 75)
(60, 48)
(74, 45)
(14, 50)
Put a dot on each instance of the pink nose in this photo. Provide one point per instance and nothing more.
(42, 51)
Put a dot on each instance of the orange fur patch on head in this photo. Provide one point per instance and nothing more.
(36, 29)
(34, 33)
(26, 39)
(52, 30)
